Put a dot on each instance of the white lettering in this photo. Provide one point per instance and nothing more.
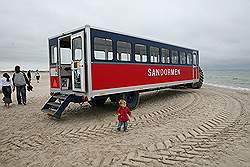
(153, 72)
(172, 71)
(157, 73)
(149, 72)
(163, 72)
(179, 72)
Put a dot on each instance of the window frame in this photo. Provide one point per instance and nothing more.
(158, 58)
(62, 53)
(73, 50)
(191, 62)
(185, 55)
(195, 57)
(178, 60)
(117, 53)
(141, 56)
(52, 54)
(112, 47)
(168, 51)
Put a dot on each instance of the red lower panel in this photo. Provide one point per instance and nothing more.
(105, 76)
(54, 77)
(195, 73)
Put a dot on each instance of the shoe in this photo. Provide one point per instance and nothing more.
(20, 103)
(119, 128)
(125, 129)
(24, 103)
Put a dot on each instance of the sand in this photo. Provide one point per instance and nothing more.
(186, 127)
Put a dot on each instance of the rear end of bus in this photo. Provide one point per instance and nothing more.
(67, 71)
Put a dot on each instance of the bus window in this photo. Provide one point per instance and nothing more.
(53, 50)
(103, 49)
(189, 58)
(123, 51)
(65, 55)
(194, 58)
(140, 53)
(154, 54)
(183, 59)
(174, 57)
(165, 56)
(77, 48)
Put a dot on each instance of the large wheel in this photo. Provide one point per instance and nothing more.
(199, 84)
(98, 101)
(116, 97)
(132, 99)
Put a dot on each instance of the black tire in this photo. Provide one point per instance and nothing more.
(179, 87)
(98, 101)
(116, 97)
(199, 84)
(174, 87)
(132, 99)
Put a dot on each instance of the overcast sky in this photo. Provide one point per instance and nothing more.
(219, 29)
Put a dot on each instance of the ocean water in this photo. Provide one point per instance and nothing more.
(233, 79)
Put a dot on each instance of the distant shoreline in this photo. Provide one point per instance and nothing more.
(227, 87)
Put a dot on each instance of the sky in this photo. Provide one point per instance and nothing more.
(219, 29)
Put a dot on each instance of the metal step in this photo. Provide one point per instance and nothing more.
(61, 97)
(50, 111)
(54, 108)
(55, 104)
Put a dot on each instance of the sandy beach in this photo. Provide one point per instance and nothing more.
(182, 127)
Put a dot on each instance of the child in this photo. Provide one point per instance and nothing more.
(123, 113)
(6, 85)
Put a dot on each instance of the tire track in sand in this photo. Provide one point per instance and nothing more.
(98, 131)
(86, 133)
(196, 145)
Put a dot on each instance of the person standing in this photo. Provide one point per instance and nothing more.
(6, 85)
(124, 114)
(19, 81)
(29, 75)
(37, 76)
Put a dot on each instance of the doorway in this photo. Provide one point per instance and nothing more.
(65, 59)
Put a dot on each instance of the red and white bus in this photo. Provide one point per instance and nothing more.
(93, 64)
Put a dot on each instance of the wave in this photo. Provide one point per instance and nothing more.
(228, 87)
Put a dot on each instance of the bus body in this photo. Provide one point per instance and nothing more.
(92, 64)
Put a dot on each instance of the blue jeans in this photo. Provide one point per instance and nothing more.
(21, 94)
(122, 123)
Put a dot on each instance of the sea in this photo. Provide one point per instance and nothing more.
(228, 78)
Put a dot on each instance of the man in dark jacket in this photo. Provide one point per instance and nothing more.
(19, 81)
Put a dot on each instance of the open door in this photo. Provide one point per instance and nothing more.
(65, 59)
(195, 67)
(77, 64)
